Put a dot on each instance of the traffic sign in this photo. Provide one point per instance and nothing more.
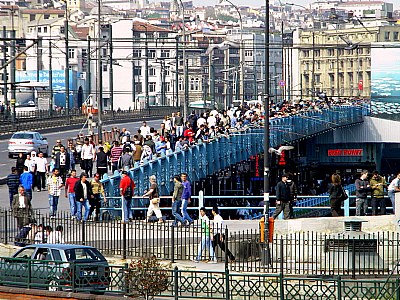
(282, 83)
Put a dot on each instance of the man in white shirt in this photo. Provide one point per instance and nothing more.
(219, 236)
(144, 129)
(393, 188)
(42, 169)
(88, 156)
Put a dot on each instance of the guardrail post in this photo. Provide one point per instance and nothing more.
(124, 240)
(226, 249)
(227, 285)
(176, 290)
(347, 204)
(5, 227)
(83, 232)
(339, 287)
(43, 236)
(172, 244)
(281, 287)
(353, 258)
(29, 274)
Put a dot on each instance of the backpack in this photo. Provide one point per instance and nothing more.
(128, 191)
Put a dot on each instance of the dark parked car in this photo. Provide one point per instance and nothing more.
(57, 267)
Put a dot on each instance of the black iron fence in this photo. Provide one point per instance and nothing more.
(309, 253)
(43, 119)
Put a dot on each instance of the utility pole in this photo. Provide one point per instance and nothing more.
(13, 68)
(50, 78)
(135, 105)
(89, 69)
(5, 87)
(177, 70)
(146, 73)
(99, 87)
(111, 74)
(185, 67)
(66, 63)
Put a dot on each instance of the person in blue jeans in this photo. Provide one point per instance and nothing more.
(177, 202)
(186, 195)
(83, 192)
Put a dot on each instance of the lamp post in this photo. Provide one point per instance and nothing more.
(241, 51)
(185, 76)
(266, 122)
(66, 25)
(313, 47)
(100, 73)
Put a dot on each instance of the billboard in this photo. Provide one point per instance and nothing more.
(58, 83)
(385, 80)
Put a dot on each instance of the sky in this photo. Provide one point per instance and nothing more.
(258, 3)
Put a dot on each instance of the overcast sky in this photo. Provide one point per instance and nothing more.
(258, 3)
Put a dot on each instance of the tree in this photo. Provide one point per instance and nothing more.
(146, 277)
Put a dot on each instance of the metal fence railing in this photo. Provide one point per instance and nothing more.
(194, 284)
(354, 254)
(42, 119)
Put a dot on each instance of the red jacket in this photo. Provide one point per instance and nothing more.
(125, 181)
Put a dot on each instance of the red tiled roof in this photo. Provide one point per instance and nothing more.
(81, 32)
(42, 11)
(146, 27)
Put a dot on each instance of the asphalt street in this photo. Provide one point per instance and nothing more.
(6, 163)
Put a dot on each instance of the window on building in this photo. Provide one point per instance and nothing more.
(167, 87)
(248, 53)
(167, 70)
(152, 87)
(331, 65)
(105, 67)
(318, 65)
(341, 64)
(138, 71)
(71, 53)
(151, 53)
(360, 63)
(163, 34)
(104, 52)
(317, 78)
(32, 17)
(180, 85)
(39, 29)
(138, 87)
(165, 53)
(387, 35)
(152, 71)
(192, 84)
(350, 76)
(150, 35)
(395, 35)
(46, 16)
(306, 53)
(331, 52)
(45, 29)
(137, 53)
(317, 53)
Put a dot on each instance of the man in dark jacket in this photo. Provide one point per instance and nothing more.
(83, 192)
(285, 194)
(62, 162)
(13, 184)
(101, 162)
(362, 190)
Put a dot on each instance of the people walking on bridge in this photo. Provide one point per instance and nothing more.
(177, 201)
(363, 188)
(179, 124)
(154, 196)
(378, 185)
(42, 168)
(56, 148)
(88, 156)
(26, 180)
(116, 152)
(70, 193)
(22, 207)
(54, 185)
(286, 192)
(336, 195)
(83, 192)
(31, 164)
(186, 198)
(13, 184)
(126, 189)
(101, 162)
(393, 188)
(145, 129)
(20, 163)
(219, 237)
(95, 202)
(62, 162)
(206, 238)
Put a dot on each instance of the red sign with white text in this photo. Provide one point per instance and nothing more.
(345, 152)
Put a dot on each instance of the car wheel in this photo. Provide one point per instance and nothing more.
(54, 285)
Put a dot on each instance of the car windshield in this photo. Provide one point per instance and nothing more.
(23, 136)
(84, 254)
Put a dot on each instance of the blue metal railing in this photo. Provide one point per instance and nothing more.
(207, 158)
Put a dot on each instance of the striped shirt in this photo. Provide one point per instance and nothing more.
(116, 152)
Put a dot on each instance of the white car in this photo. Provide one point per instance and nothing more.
(26, 142)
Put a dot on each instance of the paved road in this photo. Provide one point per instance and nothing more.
(6, 163)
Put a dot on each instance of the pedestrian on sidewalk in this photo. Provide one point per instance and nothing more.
(13, 184)
(26, 180)
(83, 192)
(186, 198)
(285, 196)
(206, 238)
(22, 208)
(95, 203)
(378, 185)
(336, 194)
(219, 235)
(154, 197)
(62, 163)
(42, 168)
(101, 162)
(363, 188)
(177, 201)
(54, 185)
(70, 193)
(126, 188)
(88, 156)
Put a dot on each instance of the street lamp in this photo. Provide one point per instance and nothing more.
(185, 79)
(100, 73)
(241, 49)
(313, 46)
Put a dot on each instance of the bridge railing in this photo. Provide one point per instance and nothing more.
(205, 159)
